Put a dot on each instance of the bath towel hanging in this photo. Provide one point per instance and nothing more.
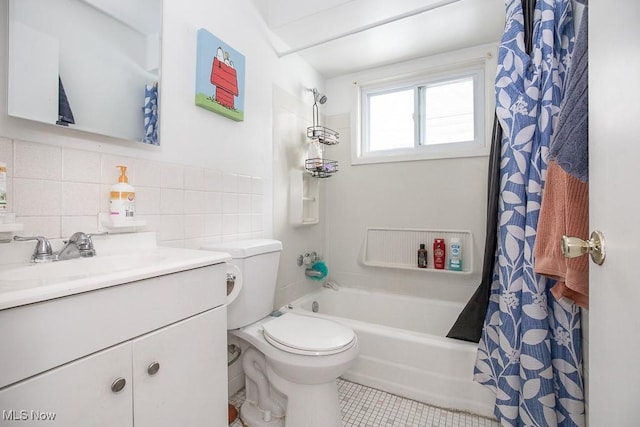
(151, 114)
(564, 211)
(565, 201)
(570, 144)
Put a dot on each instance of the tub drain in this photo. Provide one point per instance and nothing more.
(315, 306)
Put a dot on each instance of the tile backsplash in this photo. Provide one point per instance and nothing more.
(56, 191)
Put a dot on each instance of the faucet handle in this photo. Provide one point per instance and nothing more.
(77, 237)
(82, 238)
(42, 251)
(104, 233)
(90, 242)
(84, 243)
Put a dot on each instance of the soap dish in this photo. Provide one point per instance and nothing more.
(116, 225)
(7, 230)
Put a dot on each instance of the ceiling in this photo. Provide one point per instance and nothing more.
(338, 37)
(144, 16)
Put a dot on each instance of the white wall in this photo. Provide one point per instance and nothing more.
(447, 194)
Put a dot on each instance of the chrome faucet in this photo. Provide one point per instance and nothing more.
(79, 245)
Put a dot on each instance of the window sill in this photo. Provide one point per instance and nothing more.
(414, 155)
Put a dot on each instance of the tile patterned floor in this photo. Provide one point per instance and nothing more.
(367, 407)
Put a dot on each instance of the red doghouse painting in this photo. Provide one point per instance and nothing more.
(219, 77)
(225, 78)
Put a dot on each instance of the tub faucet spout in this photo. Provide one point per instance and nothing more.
(312, 273)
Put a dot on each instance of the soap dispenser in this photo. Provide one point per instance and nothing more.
(122, 197)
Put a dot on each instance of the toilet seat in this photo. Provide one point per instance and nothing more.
(306, 335)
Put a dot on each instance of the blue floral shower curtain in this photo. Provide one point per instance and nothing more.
(530, 351)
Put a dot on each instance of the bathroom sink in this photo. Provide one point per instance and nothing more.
(76, 268)
(120, 259)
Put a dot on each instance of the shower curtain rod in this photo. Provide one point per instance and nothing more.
(395, 18)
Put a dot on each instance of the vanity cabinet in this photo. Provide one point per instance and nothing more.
(190, 387)
(148, 353)
(75, 394)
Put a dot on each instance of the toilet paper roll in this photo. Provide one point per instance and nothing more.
(235, 291)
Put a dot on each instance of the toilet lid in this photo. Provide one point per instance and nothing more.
(299, 334)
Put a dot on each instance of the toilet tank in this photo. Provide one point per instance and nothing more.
(258, 261)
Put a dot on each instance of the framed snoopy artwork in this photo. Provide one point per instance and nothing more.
(220, 73)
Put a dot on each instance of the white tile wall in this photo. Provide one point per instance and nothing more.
(32, 160)
(148, 174)
(36, 197)
(171, 201)
(80, 166)
(230, 183)
(213, 180)
(57, 191)
(194, 179)
(172, 176)
(6, 153)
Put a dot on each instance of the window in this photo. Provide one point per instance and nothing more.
(433, 117)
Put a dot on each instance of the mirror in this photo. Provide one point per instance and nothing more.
(96, 62)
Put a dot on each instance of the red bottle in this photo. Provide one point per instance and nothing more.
(439, 253)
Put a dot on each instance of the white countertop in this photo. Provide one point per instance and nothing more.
(119, 259)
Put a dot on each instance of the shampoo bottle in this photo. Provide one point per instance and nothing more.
(455, 254)
(422, 256)
(122, 197)
(439, 253)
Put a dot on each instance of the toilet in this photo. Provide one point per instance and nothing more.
(294, 360)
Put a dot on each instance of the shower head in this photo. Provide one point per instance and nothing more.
(318, 97)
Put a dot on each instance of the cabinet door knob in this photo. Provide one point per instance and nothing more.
(153, 368)
(118, 385)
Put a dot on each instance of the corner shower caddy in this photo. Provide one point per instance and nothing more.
(304, 190)
(318, 166)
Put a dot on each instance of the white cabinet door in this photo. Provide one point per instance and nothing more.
(190, 386)
(78, 394)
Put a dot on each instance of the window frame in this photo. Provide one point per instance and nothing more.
(478, 147)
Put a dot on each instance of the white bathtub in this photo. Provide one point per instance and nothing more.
(403, 346)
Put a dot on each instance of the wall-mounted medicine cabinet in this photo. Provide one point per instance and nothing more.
(105, 52)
